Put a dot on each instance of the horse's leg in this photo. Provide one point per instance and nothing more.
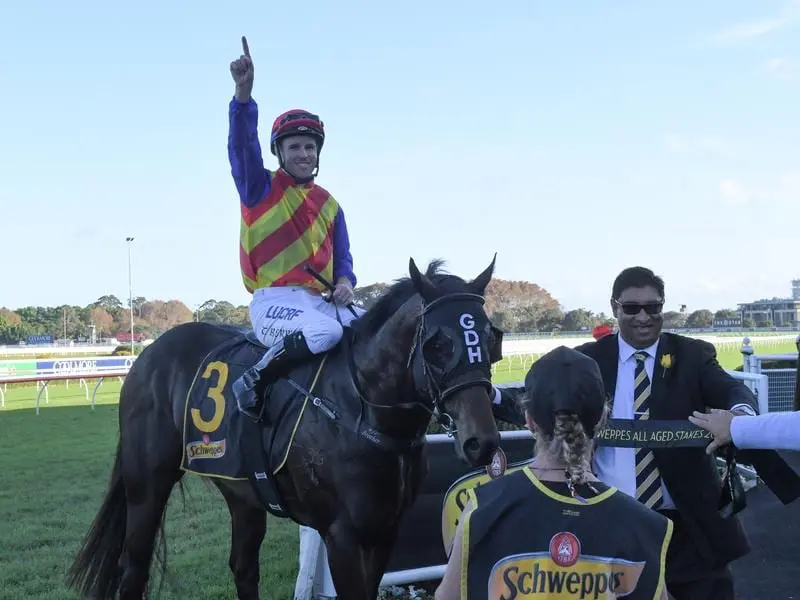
(146, 503)
(356, 568)
(150, 469)
(248, 528)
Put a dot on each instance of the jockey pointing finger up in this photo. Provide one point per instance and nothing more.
(287, 222)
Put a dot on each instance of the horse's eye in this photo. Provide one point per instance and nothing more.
(439, 349)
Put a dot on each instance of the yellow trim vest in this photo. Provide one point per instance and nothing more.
(290, 227)
(524, 540)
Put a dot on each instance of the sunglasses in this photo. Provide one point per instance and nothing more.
(633, 308)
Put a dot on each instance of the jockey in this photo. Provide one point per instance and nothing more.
(288, 221)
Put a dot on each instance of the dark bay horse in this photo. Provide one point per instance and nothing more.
(425, 348)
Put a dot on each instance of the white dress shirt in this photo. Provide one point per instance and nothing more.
(617, 466)
(772, 431)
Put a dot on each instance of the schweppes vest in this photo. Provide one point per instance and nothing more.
(290, 227)
(525, 541)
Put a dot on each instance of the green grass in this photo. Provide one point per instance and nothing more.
(52, 479)
(53, 474)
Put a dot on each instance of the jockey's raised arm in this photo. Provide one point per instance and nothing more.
(244, 152)
(244, 148)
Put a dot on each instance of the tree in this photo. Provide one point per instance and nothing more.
(101, 319)
(549, 319)
(577, 320)
(138, 301)
(212, 311)
(368, 295)
(700, 319)
(10, 317)
(674, 320)
(110, 302)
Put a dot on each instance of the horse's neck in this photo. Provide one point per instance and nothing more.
(383, 369)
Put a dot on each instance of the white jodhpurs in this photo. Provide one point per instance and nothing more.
(279, 311)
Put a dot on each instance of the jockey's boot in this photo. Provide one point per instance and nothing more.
(250, 386)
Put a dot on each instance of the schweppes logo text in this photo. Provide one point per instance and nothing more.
(205, 449)
(537, 576)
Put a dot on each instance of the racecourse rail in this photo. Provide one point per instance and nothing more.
(43, 371)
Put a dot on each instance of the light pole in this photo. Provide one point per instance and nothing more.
(130, 288)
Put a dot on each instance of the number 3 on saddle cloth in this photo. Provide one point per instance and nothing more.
(220, 441)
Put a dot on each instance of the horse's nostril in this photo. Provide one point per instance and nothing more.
(472, 445)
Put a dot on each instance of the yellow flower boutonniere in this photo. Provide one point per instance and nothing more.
(666, 363)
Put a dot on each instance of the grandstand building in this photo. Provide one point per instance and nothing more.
(779, 312)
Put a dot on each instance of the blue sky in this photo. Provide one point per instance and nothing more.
(573, 140)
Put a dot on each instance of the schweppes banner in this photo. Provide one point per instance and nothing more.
(646, 433)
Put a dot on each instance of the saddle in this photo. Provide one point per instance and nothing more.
(220, 441)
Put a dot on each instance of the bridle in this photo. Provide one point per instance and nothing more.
(433, 384)
(438, 384)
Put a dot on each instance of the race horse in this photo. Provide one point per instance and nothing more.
(345, 448)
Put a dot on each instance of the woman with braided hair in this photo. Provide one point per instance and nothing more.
(552, 529)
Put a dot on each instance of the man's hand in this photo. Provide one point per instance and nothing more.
(718, 423)
(343, 293)
(242, 73)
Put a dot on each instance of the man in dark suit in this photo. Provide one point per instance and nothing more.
(663, 376)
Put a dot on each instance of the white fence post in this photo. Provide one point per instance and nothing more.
(747, 353)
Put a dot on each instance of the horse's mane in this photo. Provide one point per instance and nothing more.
(400, 292)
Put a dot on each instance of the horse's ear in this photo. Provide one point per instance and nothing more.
(422, 284)
(479, 284)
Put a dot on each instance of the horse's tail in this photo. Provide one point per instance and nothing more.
(95, 572)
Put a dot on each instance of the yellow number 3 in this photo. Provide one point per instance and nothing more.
(215, 393)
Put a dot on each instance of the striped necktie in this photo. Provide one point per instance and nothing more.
(648, 479)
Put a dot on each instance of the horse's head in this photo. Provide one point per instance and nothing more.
(451, 358)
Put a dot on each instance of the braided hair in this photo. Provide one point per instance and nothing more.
(571, 445)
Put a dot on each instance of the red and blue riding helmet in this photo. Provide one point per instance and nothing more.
(296, 122)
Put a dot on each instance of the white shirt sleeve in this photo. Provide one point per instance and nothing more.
(772, 431)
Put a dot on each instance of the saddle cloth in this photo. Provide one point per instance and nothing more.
(220, 441)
